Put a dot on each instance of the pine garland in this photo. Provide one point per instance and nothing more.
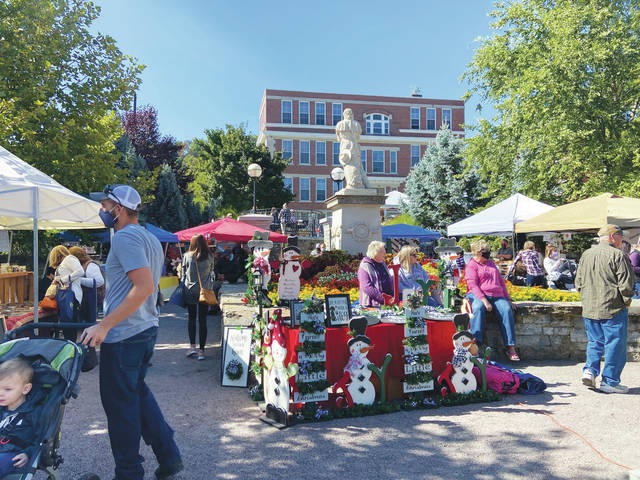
(311, 348)
(418, 377)
(416, 341)
(306, 388)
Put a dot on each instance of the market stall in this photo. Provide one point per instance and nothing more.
(15, 287)
(31, 200)
(227, 230)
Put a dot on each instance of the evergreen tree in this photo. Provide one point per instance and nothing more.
(167, 210)
(439, 188)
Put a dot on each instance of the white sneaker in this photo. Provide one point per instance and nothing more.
(588, 379)
(604, 387)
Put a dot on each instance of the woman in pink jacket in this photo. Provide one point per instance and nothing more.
(487, 292)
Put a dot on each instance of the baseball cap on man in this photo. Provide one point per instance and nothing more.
(610, 229)
(122, 194)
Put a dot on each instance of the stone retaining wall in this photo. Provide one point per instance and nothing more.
(555, 331)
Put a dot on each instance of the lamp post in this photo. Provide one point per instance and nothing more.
(254, 170)
(337, 174)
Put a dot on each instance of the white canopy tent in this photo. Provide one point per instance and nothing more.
(501, 218)
(31, 200)
(395, 199)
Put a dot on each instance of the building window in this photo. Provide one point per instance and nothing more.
(377, 164)
(431, 118)
(393, 161)
(446, 117)
(321, 189)
(303, 112)
(288, 184)
(287, 150)
(321, 153)
(320, 113)
(305, 192)
(363, 159)
(415, 155)
(336, 153)
(415, 118)
(304, 152)
(377, 124)
(286, 111)
(336, 113)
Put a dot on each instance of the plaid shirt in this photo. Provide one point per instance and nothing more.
(285, 215)
(531, 261)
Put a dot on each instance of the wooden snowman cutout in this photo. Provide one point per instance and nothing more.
(290, 270)
(276, 386)
(360, 389)
(458, 375)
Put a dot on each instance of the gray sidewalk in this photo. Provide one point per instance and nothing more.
(221, 438)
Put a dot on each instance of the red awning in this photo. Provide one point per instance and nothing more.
(227, 230)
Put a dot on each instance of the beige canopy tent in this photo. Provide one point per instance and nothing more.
(586, 215)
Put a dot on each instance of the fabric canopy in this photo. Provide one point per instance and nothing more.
(161, 234)
(587, 215)
(227, 230)
(500, 218)
(402, 230)
(27, 193)
(395, 199)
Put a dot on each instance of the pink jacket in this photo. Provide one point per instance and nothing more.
(485, 279)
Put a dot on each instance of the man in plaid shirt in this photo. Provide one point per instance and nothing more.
(531, 259)
(285, 218)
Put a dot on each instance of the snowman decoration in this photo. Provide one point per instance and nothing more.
(290, 270)
(458, 375)
(450, 254)
(356, 372)
(276, 387)
(262, 249)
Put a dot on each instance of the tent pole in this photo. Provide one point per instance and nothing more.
(35, 254)
(10, 246)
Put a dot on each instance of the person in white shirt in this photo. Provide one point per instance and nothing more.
(558, 273)
(69, 272)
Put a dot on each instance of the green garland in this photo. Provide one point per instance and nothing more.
(313, 367)
(420, 358)
(313, 305)
(416, 341)
(306, 388)
(311, 348)
(418, 377)
(415, 322)
(311, 327)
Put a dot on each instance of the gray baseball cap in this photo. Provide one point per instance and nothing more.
(124, 195)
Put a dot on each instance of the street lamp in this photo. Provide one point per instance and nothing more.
(337, 174)
(254, 170)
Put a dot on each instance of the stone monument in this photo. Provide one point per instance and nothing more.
(356, 208)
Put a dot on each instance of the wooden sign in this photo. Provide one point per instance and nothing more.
(236, 351)
(418, 387)
(317, 396)
(295, 309)
(338, 310)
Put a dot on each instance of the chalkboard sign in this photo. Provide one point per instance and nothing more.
(338, 310)
(236, 351)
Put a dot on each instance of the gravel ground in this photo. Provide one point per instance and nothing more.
(220, 436)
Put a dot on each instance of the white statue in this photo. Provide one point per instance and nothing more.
(348, 132)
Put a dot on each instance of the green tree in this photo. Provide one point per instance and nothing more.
(219, 165)
(564, 78)
(167, 210)
(439, 188)
(60, 86)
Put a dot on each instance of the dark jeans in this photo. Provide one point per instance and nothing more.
(533, 280)
(132, 410)
(202, 309)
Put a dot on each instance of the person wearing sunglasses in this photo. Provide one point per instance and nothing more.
(411, 272)
(127, 335)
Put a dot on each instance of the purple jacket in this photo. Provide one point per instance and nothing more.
(374, 279)
(634, 257)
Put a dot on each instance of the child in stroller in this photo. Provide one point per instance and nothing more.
(56, 366)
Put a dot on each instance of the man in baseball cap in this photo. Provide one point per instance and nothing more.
(605, 280)
(127, 336)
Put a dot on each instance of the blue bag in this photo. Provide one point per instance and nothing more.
(65, 299)
(529, 384)
(177, 297)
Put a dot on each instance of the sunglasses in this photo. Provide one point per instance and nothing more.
(414, 254)
(108, 189)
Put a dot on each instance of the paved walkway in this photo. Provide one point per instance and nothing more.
(220, 437)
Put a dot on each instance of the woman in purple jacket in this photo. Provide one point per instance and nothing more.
(634, 257)
(374, 277)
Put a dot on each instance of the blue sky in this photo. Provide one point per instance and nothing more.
(208, 62)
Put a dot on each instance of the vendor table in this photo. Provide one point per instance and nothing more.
(19, 318)
(385, 338)
(15, 287)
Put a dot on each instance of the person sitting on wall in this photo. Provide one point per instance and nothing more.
(487, 292)
(505, 252)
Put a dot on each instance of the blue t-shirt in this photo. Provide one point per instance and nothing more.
(132, 247)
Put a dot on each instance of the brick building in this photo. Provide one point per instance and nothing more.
(395, 133)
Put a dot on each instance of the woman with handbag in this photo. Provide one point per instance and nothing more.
(197, 265)
(69, 271)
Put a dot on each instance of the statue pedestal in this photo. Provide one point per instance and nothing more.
(356, 219)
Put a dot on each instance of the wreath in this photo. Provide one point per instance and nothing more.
(234, 370)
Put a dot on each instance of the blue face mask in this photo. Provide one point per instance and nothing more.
(107, 218)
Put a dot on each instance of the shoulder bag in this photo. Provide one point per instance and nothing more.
(206, 296)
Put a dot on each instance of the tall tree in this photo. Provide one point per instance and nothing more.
(167, 210)
(219, 164)
(440, 190)
(564, 77)
(60, 86)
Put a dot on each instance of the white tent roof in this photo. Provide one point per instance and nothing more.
(500, 218)
(22, 187)
(395, 199)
